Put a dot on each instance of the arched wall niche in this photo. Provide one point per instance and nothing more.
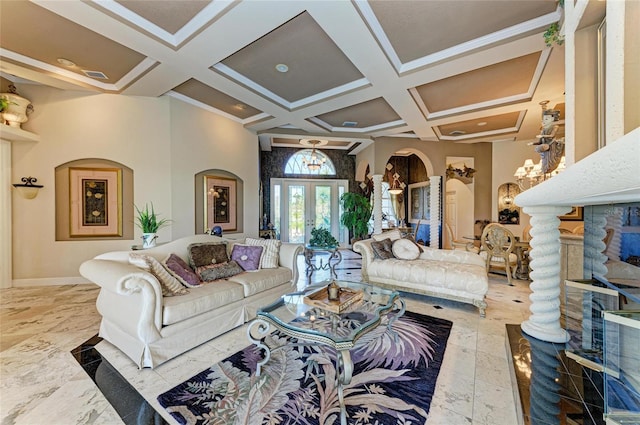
(200, 199)
(63, 196)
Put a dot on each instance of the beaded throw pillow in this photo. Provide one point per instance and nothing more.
(213, 272)
(204, 254)
(382, 250)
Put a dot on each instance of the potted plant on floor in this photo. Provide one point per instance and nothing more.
(149, 223)
(356, 214)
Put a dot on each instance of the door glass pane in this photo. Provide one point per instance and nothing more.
(296, 214)
(323, 207)
(343, 230)
(275, 208)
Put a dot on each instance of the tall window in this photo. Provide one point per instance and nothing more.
(296, 164)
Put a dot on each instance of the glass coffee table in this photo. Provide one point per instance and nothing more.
(310, 324)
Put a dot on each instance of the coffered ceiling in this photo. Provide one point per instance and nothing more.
(454, 71)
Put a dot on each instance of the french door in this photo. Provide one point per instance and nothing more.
(299, 205)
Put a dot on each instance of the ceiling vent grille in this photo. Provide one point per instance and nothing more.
(95, 74)
(350, 124)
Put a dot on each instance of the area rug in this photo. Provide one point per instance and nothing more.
(393, 381)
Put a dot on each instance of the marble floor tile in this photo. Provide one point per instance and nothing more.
(42, 382)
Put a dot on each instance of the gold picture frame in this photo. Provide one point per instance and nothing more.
(576, 214)
(95, 202)
(220, 203)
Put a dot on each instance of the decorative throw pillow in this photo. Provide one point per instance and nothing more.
(204, 254)
(247, 256)
(393, 234)
(383, 249)
(405, 249)
(270, 254)
(169, 284)
(181, 271)
(218, 271)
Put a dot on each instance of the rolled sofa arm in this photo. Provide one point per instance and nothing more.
(122, 281)
(289, 258)
(363, 248)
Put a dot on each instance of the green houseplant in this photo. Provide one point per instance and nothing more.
(149, 223)
(323, 238)
(356, 214)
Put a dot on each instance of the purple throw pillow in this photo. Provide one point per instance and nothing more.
(248, 257)
(181, 271)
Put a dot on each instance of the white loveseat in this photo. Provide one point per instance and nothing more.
(152, 329)
(451, 274)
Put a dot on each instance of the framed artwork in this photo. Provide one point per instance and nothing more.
(419, 202)
(576, 214)
(220, 202)
(95, 202)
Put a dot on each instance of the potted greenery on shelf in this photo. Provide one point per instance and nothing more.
(149, 223)
(356, 214)
(321, 237)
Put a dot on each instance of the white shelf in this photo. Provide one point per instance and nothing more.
(14, 134)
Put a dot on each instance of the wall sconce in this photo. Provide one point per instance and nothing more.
(28, 190)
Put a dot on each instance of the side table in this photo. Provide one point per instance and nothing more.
(334, 255)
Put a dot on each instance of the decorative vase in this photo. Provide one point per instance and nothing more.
(16, 112)
(149, 240)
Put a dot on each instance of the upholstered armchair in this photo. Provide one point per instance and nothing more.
(498, 244)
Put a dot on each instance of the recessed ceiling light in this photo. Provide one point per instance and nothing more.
(66, 62)
(350, 124)
(282, 67)
(482, 123)
(240, 106)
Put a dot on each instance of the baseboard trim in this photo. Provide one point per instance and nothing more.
(49, 281)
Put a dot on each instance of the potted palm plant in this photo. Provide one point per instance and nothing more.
(356, 214)
(148, 221)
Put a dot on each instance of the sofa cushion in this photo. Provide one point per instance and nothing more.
(247, 256)
(169, 284)
(254, 283)
(420, 273)
(219, 271)
(393, 234)
(181, 271)
(405, 249)
(203, 254)
(382, 250)
(271, 253)
(200, 300)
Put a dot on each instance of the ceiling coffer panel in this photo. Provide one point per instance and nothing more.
(481, 125)
(315, 63)
(170, 15)
(209, 96)
(366, 114)
(55, 37)
(438, 25)
(503, 79)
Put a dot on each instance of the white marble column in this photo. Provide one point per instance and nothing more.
(594, 246)
(377, 204)
(614, 221)
(434, 208)
(544, 321)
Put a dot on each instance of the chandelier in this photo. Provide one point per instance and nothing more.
(314, 163)
(530, 174)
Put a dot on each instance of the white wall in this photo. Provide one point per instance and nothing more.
(163, 140)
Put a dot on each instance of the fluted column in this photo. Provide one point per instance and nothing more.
(594, 246)
(544, 321)
(614, 221)
(377, 204)
(434, 208)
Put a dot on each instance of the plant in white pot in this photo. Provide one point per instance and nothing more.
(14, 108)
(149, 223)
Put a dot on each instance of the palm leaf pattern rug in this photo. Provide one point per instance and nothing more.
(393, 381)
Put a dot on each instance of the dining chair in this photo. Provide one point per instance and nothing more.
(498, 244)
(458, 244)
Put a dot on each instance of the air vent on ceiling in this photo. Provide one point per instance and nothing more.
(457, 133)
(349, 123)
(95, 74)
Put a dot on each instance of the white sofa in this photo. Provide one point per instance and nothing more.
(152, 329)
(450, 274)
